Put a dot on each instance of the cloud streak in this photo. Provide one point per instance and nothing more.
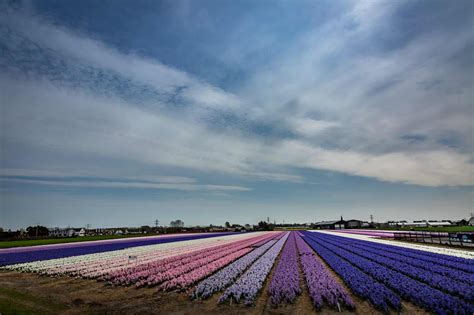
(126, 185)
(346, 112)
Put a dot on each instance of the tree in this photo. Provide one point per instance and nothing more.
(178, 223)
(38, 230)
(227, 224)
(264, 226)
(145, 228)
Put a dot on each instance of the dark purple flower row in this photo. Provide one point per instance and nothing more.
(285, 284)
(360, 283)
(458, 263)
(450, 272)
(322, 285)
(435, 280)
(419, 293)
(75, 249)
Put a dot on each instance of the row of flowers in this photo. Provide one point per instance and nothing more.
(246, 288)
(182, 265)
(76, 249)
(436, 265)
(446, 283)
(359, 282)
(285, 283)
(406, 287)
(322, 285)
(425, 249)
(107, 261)
(225, 277)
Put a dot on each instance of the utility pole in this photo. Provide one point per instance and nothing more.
(371, 218)
(268, 219)
(157, 222)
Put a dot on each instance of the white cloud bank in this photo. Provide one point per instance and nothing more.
(49, 118)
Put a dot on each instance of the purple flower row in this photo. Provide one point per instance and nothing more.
(322, 285)
(360, 283)
(450, 272)
(229, 274)
(22, 255)
(419, 293)
(431, 278)
(285, 284)
(250, 283)
(466, 266)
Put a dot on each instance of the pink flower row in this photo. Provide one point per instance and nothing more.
(163, 270)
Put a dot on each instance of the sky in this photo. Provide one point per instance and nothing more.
(117, 113)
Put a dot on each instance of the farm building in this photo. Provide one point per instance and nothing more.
(329, 225)
(420, 223)
(354, 224)
(439, 223)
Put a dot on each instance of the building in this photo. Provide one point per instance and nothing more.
(471, 221)
(353, 224)
(67, 232)
(462, 222)
(419, 223)
(329, 225)
(433, 223)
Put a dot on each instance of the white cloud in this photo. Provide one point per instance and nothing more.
(58, 174)
(311, 127)
(127, 185)
(433, 168)
(364, 130)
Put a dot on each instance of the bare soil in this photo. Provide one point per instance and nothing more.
(26, 293)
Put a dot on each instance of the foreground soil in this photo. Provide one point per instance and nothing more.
(25, 293)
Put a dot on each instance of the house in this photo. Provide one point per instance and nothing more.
(353, 224)
(471, 221)
(67, 232)
(462, 222)
(217, 229)
(397, 223)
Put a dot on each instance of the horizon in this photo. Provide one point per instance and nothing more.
(117, 113)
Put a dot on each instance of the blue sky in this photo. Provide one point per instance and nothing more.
(123, 112)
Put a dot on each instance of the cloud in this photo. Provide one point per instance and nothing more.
(65, 174)
(439, 168)
(311, 127)
(126, 185)
(347, 109)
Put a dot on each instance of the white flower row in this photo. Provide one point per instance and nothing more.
(93, 265)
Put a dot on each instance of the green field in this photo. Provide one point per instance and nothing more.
(48, 241)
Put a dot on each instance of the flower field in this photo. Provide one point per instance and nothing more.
(333, 270)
